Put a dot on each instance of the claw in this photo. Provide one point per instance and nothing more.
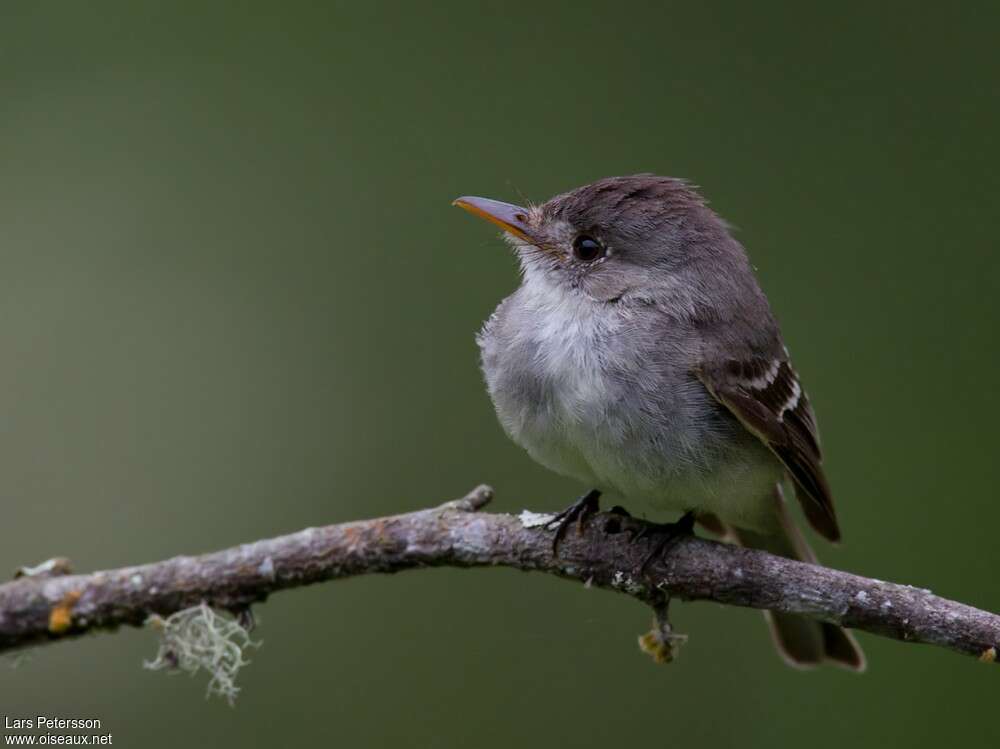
(579, 511)
(670, 534)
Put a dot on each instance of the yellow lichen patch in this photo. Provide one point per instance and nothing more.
(661, 644)
(61, 616)
(989, 655)
(654, 646)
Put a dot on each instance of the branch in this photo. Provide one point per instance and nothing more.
(48, 604)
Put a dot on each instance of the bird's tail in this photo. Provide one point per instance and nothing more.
(801, 642)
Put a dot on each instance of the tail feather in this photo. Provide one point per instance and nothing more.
(842, 648)
(801, 642)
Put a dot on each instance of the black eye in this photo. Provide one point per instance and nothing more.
(587, 249)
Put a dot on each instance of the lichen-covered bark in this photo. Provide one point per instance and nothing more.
(39, 608)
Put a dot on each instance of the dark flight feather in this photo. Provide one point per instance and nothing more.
(767, 398)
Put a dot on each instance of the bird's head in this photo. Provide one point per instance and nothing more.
(619, 239)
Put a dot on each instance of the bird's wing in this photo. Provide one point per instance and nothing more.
(767, 398)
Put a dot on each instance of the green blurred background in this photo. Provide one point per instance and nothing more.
(235, 302)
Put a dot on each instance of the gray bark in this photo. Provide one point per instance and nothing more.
(49, 604)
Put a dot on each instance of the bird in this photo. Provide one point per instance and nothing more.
(640, 356)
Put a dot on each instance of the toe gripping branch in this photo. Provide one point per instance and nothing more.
(578, 512)
(667, 535)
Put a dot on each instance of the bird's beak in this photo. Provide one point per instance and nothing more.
(511, 218)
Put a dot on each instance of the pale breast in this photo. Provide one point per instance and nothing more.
(587, 392)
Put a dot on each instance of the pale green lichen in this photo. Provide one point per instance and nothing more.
(531, 519)
(623, 581)
(201, 638)
(48, 568)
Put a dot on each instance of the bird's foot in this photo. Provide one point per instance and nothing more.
(667, 535)
(579, 511)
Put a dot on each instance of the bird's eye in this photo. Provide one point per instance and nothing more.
(587, 249)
